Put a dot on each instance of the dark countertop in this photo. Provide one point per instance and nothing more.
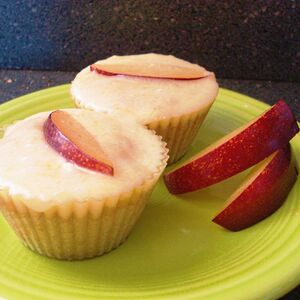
(17, 83)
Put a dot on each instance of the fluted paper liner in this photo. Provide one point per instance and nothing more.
(178, 131)
(78, 230)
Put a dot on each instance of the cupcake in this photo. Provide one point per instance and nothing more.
(169, 95)
(74, 182)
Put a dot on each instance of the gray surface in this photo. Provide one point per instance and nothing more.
(17, 83)
(236, 39)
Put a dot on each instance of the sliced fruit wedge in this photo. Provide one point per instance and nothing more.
(71, 140)
(261, 194)
(236, 152)
(159, 71)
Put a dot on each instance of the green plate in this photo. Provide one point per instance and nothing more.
(175, 251)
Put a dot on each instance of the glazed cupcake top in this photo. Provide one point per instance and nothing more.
(148, 99)
(31, 168)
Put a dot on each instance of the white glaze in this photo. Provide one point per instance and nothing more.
(147, 99)
(31, 168)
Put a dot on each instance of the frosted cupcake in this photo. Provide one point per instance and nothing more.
(74, 182)
(169, 95)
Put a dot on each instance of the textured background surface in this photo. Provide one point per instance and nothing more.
(237, 39)
(15, 83)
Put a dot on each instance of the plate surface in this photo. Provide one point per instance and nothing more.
(175, 251)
